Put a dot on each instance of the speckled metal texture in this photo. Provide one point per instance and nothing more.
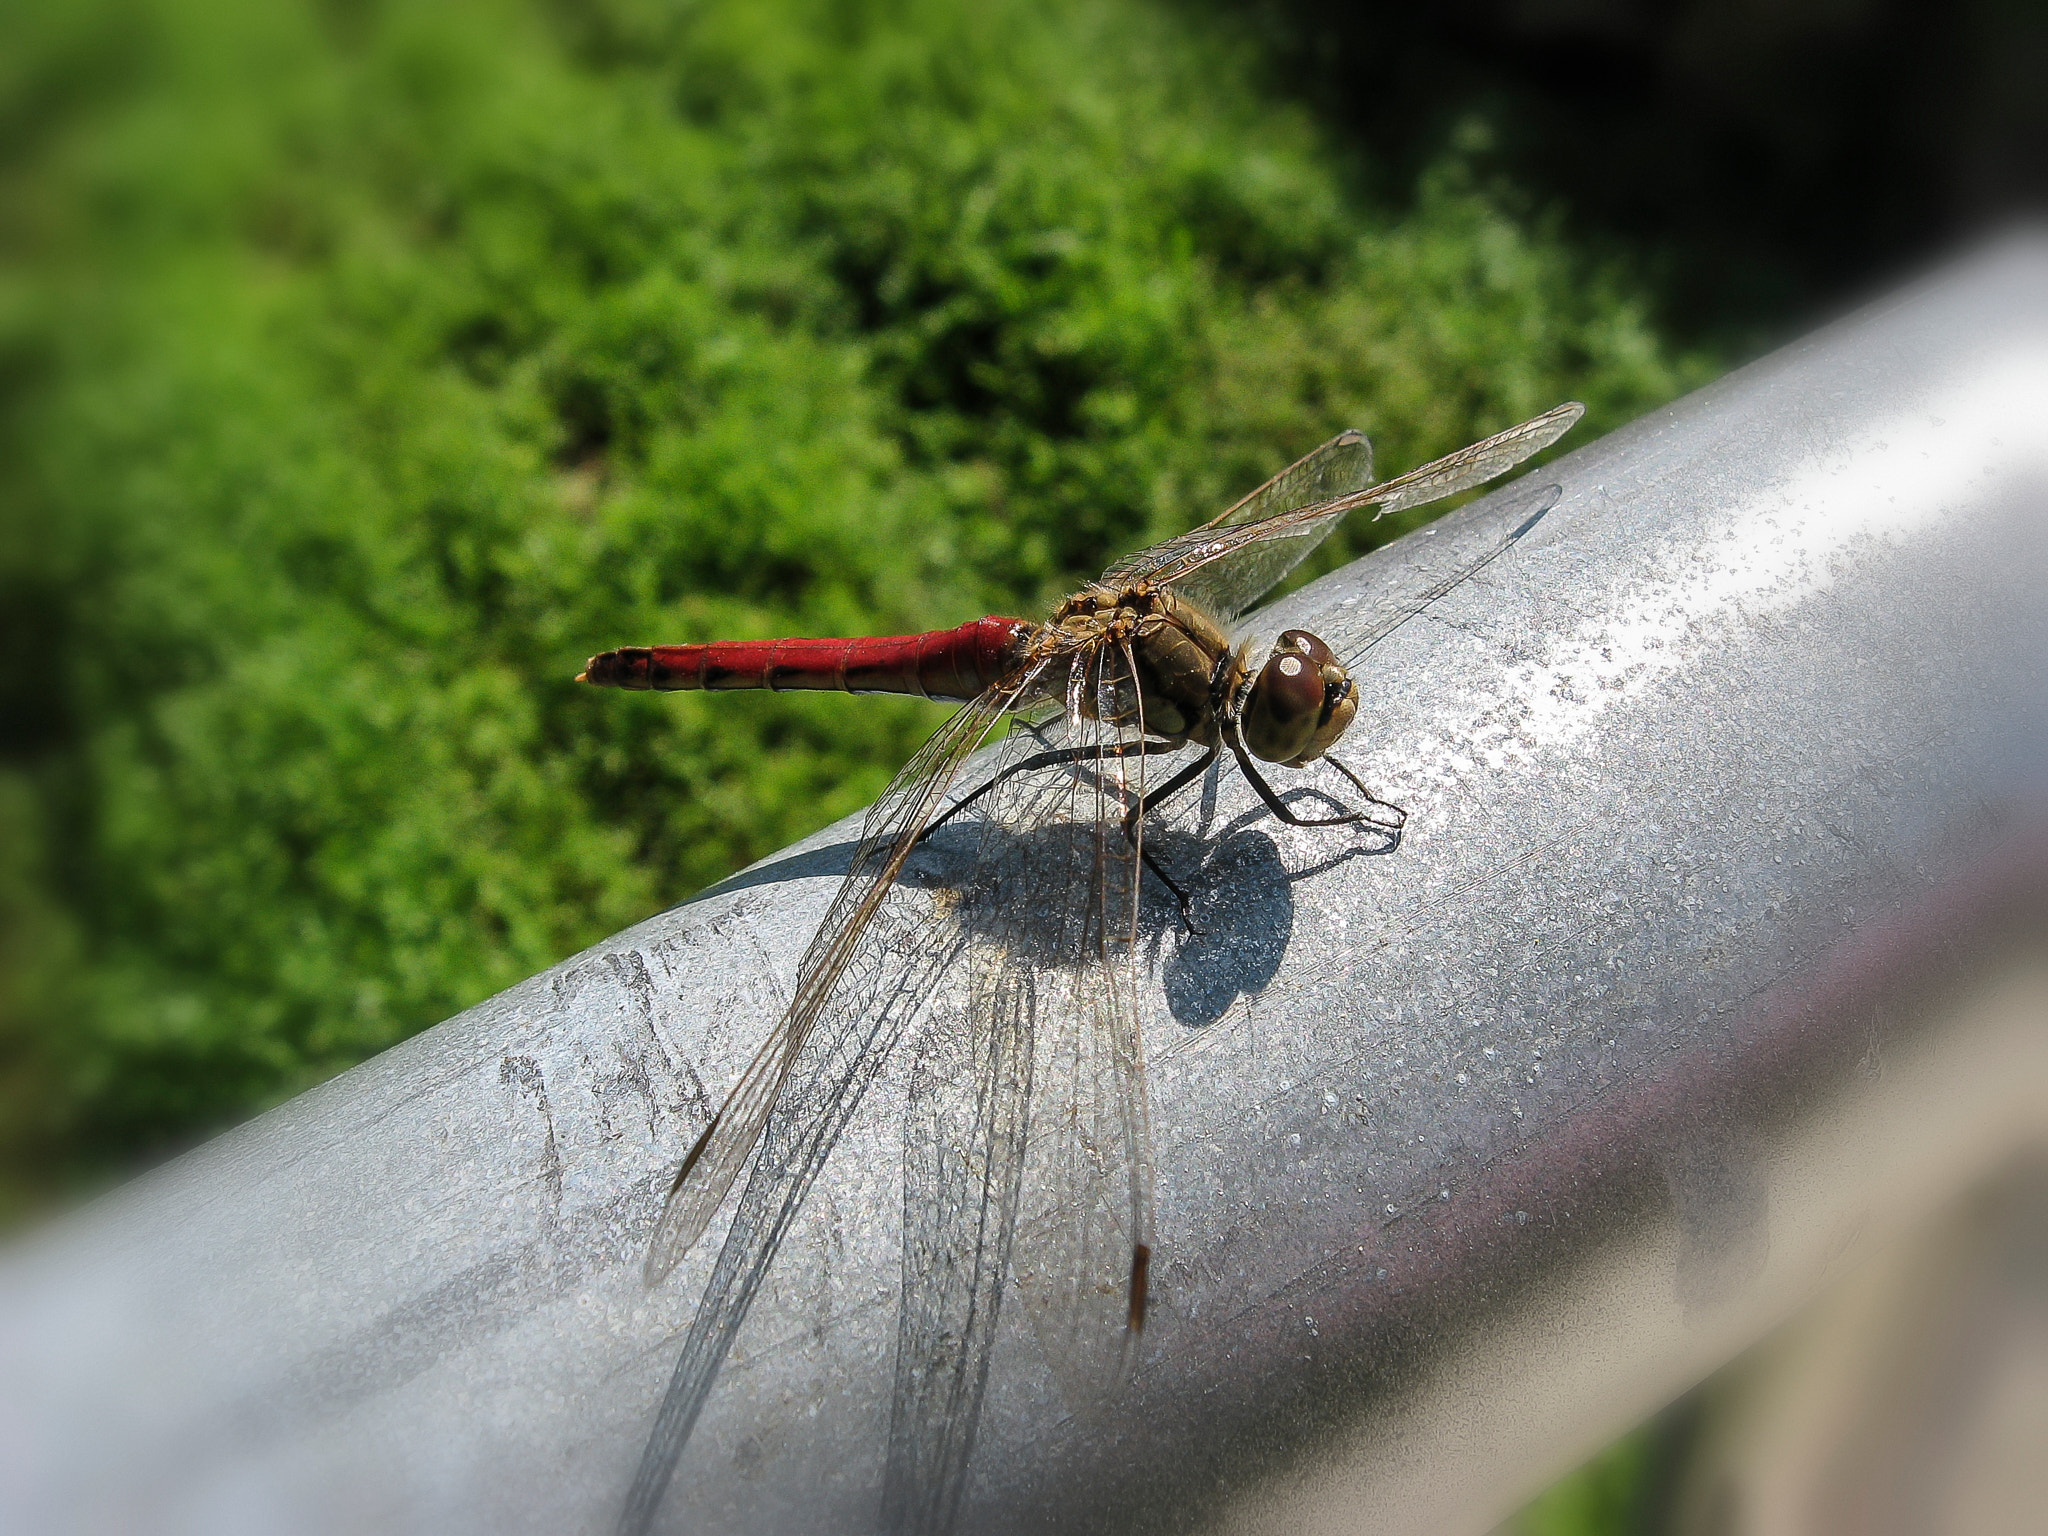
(1714, 946)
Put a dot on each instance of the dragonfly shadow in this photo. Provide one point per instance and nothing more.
(947, 854)
(1240, 887)
(1031, 891)
(833, 859)
(1241, 905)
(1240, 890)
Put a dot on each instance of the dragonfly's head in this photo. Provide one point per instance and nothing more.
(1300, 703)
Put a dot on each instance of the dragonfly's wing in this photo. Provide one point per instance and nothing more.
(887, 836)
(871, 964)
(1340, 467)
(1085, 1224)
(1085, 1227)
(1225, 570)
(963, 1153)
(1028, 1149)
(1396, 609)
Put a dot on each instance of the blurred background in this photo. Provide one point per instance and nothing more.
(365, 366)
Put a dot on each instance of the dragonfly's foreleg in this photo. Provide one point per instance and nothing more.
(1180, 895)
(1279, 807)
(1399, 817)
(1155, 799)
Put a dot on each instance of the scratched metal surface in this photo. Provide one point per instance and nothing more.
(1713, 946)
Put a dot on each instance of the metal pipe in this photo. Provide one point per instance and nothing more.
(1714, 949)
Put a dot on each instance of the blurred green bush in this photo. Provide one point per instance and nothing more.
(363, 367)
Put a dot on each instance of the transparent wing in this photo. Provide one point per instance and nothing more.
(1085, 1221)
(1029, 1146)
(1397, 609)
(887, 836)
(963, 1153)
(1340, 467)
(872, 963)
(1225, 571)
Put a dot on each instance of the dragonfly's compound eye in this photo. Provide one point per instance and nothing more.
(1340, 704)
(1302, 703)
(1285, 706)
(1302, 643)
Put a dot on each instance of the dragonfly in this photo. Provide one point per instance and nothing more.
(1028, 1097)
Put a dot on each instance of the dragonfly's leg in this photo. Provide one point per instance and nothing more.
(1275, 804)
(1052, 758)
(1180, 895)
(1159, 796)
(1166, 792)
(1399, 818)
(1049, 759)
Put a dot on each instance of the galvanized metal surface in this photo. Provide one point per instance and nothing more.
(1715, 946)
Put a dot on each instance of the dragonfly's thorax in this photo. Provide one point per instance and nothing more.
(1145, 657)
(1114, 637)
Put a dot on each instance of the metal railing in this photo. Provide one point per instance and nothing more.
(1716, 947)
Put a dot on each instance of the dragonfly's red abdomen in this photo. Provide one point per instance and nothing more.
(955, 664)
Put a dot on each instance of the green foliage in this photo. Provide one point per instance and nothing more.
(364, 367)
(1611, 1495)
